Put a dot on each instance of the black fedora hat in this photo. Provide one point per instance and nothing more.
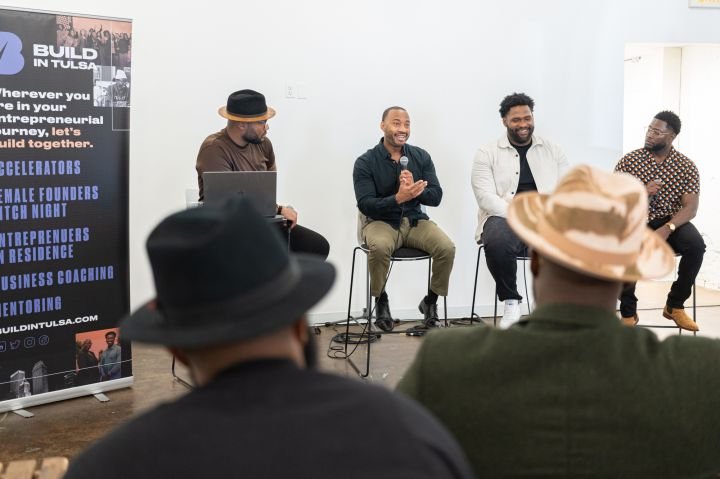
(247, 106)
(223, 274)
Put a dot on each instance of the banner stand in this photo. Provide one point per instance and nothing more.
(25, 403)
(64, 186)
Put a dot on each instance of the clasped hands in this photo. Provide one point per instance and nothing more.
(653, 186)
(409, 188)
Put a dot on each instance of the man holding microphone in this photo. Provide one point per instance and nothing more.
(392, 181)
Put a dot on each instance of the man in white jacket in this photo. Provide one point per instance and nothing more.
(519, 161)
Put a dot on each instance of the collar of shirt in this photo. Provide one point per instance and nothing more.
(225, 134)
(384, 153)
(504, 142)
(671, 157)
(571, 316)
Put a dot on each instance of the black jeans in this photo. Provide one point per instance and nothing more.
(305, 240)
(687, 242)
(502, 247)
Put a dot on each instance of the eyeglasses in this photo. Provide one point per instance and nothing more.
(261, 122)
(657, 132)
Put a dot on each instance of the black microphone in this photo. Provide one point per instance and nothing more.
(403, 163)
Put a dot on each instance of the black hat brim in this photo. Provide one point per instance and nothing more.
(147, 324)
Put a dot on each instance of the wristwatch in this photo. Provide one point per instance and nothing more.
(671, 226)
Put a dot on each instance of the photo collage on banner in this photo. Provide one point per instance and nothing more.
(65, 85)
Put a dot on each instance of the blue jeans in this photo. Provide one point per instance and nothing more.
(502, 247)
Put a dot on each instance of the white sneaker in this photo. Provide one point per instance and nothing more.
(511, 315)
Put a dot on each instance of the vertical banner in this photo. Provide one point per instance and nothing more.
(64, 142)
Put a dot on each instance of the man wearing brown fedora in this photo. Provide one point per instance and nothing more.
(231, 305)
(243, 145)
(672, 182)
(569, 391)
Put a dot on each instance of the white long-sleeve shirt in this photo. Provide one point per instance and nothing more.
(496, 174)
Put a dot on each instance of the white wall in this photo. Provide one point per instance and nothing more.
(449, 63)
(652, 83)
(699, 106)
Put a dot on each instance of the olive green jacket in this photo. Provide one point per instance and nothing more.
(570, 392)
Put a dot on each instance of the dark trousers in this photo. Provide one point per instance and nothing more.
(685, 241)
(502, 247)
(305, 240)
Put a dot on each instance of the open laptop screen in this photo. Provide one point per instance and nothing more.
(259, 186)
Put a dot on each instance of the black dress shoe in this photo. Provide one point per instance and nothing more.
(383, 317)
(430, 312)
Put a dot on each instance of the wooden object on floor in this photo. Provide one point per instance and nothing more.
(50, 468)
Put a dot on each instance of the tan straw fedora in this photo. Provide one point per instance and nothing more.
(594, 223)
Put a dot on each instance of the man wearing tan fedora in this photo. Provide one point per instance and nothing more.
(231, 305)
(243, 145)
(672, 182)
(569, 391)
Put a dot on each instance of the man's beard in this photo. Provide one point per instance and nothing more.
(515, 138)
(656, 147)
(254, 139)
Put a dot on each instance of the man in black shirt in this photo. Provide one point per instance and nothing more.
(231, 305)
(390, 194)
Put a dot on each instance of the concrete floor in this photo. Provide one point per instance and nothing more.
(67, 427)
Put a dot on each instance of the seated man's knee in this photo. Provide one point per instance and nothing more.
(380, 245)
(445, 249)
(497, 247)
(693, 245)
(499, 239)
(698, 245)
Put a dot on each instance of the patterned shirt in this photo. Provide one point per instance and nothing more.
(678, 173)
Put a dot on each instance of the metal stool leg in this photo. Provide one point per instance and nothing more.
(369, 315)
(178, 378)
(352, 278)
(694, 307)
(495, 299)
(429, 272)
(477, 269)
(445, 303)
(527, 293)
(369, 319)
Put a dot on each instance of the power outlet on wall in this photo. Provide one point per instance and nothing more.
(296, 90)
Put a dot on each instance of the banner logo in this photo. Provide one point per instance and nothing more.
(11, 60)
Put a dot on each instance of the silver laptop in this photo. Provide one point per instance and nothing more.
(259, 186)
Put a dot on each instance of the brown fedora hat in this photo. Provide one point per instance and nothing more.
(595, 222)
(246, 106)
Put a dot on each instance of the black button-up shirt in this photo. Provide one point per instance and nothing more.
(376, 179)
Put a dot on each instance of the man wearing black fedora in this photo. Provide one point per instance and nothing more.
(243, 146)
(231, 305)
